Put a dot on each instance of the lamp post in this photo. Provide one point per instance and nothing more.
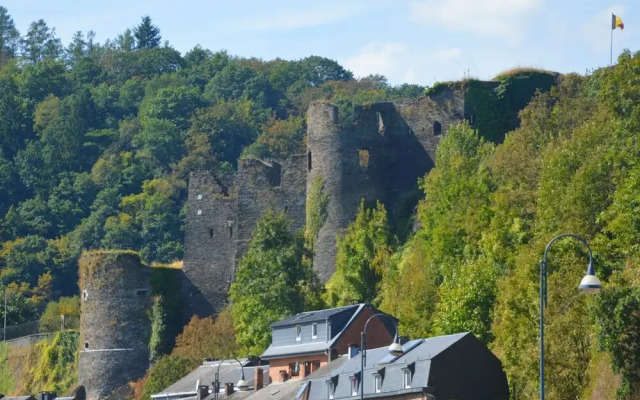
(395, 348)
(242, 384)
(589, 284)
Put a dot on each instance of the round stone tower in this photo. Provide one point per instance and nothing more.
(114, 325)
(324, 166)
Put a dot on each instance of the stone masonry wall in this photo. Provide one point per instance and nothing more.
(209, 245)
(114, 326)
(379, 158)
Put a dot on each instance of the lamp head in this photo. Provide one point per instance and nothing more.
(395, 349)
(242, 385)
(590, 283)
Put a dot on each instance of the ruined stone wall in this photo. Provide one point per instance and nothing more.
(209, 245)
(269, 185)
(114, 325)
(380, 158)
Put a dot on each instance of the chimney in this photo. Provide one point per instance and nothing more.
(258, 379)
(228, 389)
(353, 350)
(203, 391)
(47, 396)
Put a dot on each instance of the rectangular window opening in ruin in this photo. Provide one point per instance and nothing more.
(309, 161)
(363, 158)
(275, 177)
(211, 232)
(141, 292)
(437, 129)
(381, 128)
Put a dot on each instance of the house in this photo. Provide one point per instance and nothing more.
(310, 340)
(198, 384)
(445, 367)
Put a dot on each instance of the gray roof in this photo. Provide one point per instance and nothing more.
(319, 315)
(277, 391)
(352, 312)
(230, 371)
(417, 358)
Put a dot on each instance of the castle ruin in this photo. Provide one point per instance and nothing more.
(379, 157)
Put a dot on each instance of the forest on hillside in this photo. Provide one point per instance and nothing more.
(97, 141)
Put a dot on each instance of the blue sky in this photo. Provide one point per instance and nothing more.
(419, 41)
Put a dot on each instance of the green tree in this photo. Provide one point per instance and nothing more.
(41, 42)
(9, 36)
(146, 34)
(271, 283)
(363, 258)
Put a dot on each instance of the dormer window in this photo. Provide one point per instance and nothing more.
(314, 331)
(330, 390)
(354, 386)
(406, 378)
(298, 333)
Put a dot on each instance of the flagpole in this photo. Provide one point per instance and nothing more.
(611, 49)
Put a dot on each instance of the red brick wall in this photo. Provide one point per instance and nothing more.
(282, 364)
(377, 334)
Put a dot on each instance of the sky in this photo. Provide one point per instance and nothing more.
(418, 41)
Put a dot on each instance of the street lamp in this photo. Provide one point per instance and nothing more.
(589, 284)
(395, 349)
(242, 384)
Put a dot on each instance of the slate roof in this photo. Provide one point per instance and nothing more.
(417, 357)
(351, 313)
(312, 316)
(230, 371)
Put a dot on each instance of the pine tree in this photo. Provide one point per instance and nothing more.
(147, 35)
(9, 36)
(41, 42)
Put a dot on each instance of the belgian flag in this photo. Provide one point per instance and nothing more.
(616, 22)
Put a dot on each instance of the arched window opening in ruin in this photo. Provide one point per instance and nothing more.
(230, 226)
(381, 128)
(437, 129)
(211, 232)
(363, 158)
(85, 294)
(309, 161)
(86, 345)
(275, 177)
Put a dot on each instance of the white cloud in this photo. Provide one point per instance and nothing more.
(487, 17)
(290, 20)
(400, 64)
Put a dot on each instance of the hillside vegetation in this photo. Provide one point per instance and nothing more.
(97, 141)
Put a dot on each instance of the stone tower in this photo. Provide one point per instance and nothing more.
(114, 325)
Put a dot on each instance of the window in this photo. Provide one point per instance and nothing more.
(141, 292)
(85, 294)
(363, 158)
(294, 369)
(406, 381)
(211, 232)
(437, 129)
(354, 386)
(377, 383)
(199, 212)
(330, 390)
(86, 345)
(314, 331)
(275, 175)
(199, 197)
(309, 161)
(381, 128)
(298, 333)
(315, 365)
